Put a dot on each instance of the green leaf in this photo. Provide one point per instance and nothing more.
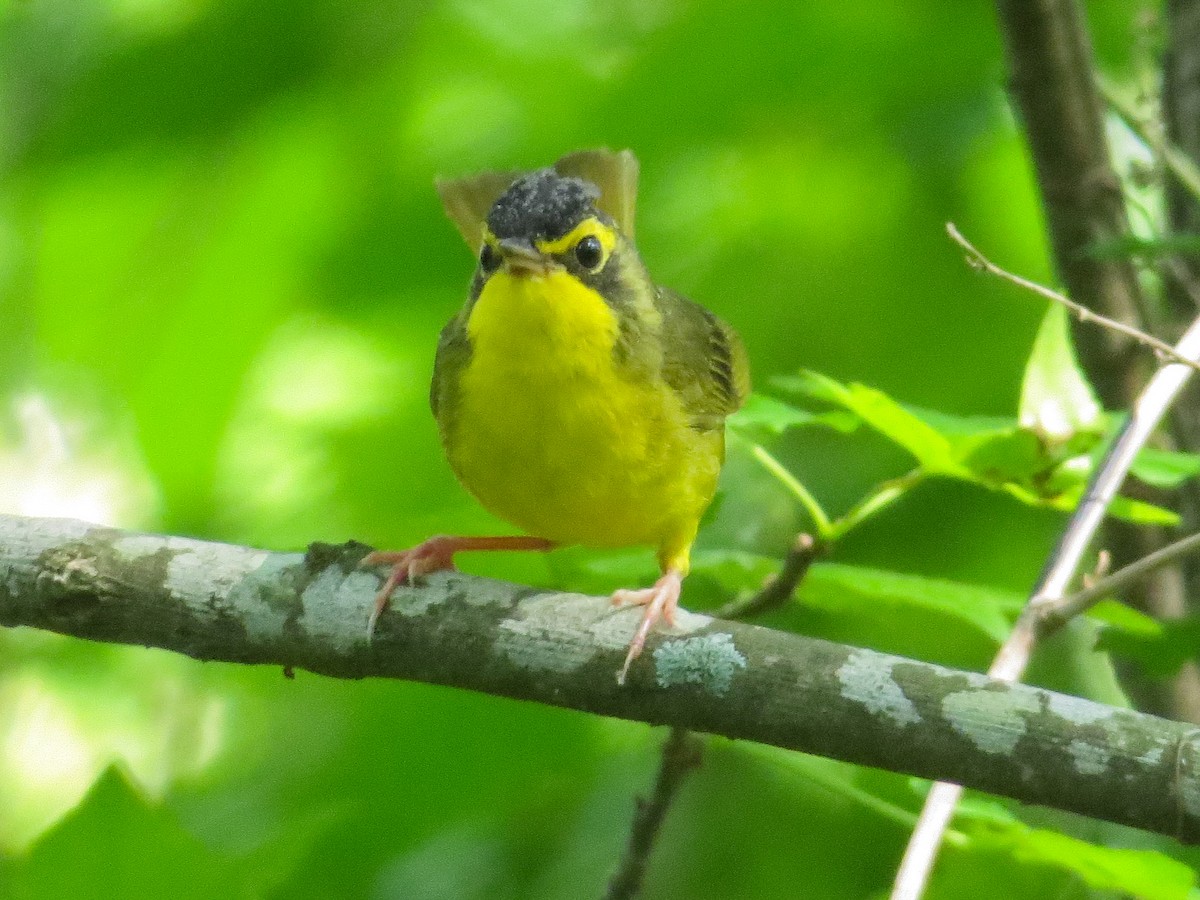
(117, 845)
(1165, 468)
(1010, 454)
(764, 415)
(977, 810)
(1125, 618)
(1145, 874)
(994, 448)
(1042, 463)
(1057, 402)
(997, 451)
(1124, 508)
(1160, 648)
(885, 415)
(956, 426)
(893, 596)
(1139, 512)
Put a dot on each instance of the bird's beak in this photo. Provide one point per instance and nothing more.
(522, 258)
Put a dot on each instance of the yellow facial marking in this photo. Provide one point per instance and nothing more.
(588, 227)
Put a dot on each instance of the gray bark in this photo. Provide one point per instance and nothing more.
(221, 602)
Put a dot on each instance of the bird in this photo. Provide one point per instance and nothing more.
(575, 398)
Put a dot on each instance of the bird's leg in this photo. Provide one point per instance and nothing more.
(435, 555)
(660, 601)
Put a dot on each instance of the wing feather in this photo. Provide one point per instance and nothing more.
(704, 360)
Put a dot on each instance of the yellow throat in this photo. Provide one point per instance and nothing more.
(553, 436)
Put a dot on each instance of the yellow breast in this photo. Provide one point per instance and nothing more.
(552, 434)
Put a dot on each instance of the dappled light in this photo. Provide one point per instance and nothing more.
(59, 464)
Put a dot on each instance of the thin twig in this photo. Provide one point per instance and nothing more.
(884, 495)
(926, 840)
(680, 755)
(805, 551)
(1050, 592)
(1056, 616)
(979, 261)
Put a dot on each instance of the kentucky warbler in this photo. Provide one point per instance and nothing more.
(575, 398)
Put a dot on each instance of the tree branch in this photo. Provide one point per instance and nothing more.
(221, 602)
(782, 585)
(1050, 60)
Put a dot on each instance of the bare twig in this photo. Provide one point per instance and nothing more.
(1049, 593)
(943, 797)
(1081, 601)
(979, 261)
(680, 755)
(926, 840)
(805, 551)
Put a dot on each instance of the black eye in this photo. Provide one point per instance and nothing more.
(489, 259)
(589, 252)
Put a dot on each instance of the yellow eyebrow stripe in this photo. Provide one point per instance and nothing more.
(589, 226)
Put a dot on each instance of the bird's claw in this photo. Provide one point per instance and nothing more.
(433, 555)
(661, 602)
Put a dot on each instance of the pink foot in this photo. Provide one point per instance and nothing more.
(435, 555)
(660, 601)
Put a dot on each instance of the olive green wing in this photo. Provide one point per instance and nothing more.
(704, 360)
(453, 354)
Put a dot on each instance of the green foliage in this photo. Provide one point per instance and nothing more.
(930, 448)
(988, 830)
(100, 850)
(1144, 874)
(1160, 648)
(1165, 469)
(1057, 403)
(1043, 458)
(766, 417)
(222, 273)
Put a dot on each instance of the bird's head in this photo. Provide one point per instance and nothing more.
(546, 222)
(575, 218)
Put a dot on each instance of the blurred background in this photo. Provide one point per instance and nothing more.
(222, 273)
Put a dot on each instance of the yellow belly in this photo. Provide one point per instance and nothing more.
(552, 434)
